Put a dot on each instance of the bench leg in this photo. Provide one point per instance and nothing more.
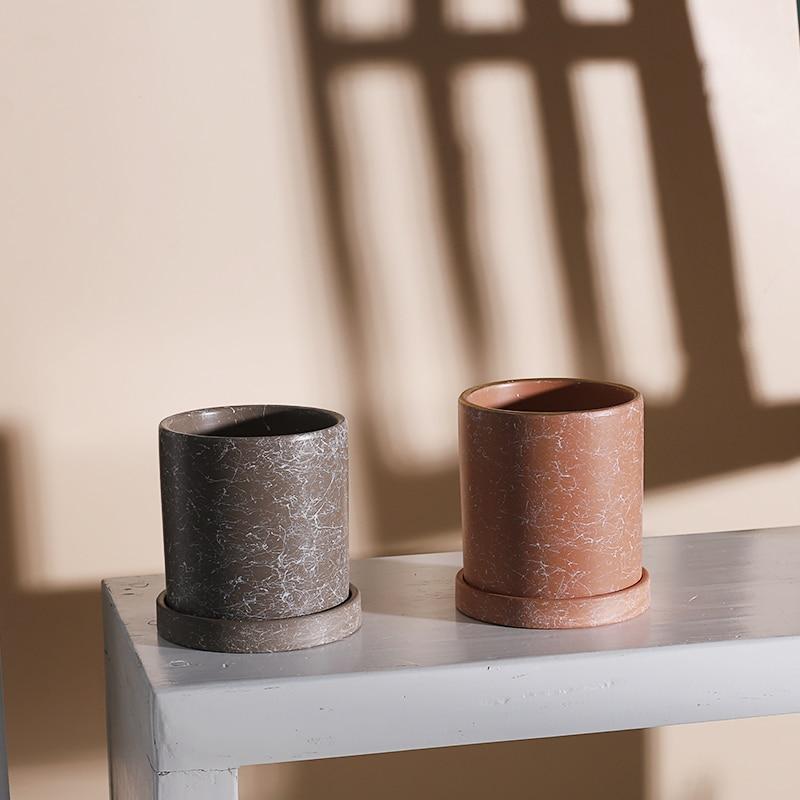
(210, 784)
(131, 737)
(200, 784)
(3, 760)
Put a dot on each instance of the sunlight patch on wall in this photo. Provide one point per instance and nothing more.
(637, 304)
(597, 11)
(750, 72)
(755, 497)
(365, 19)
(511, 220)
(416, 363)
(480, 15)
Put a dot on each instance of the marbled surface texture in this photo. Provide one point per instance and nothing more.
(255, 511)
(552, 500)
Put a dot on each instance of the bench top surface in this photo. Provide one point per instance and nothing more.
(706, 589)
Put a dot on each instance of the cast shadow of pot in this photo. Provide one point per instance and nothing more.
(411, 587)
(414, 589)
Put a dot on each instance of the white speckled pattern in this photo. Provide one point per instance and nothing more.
(255, 526)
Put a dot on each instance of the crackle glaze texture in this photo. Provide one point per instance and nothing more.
(254, 502)
(551, 499)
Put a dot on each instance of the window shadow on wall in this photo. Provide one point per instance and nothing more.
(689, 437)
(52, 641)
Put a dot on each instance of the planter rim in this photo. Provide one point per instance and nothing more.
(633, 395)
(184, 419)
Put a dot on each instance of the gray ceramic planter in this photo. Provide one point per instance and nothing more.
(254, 504)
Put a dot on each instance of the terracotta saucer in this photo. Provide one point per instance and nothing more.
(542, 612)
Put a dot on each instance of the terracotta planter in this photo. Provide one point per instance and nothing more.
(551, 503)
(254, 503)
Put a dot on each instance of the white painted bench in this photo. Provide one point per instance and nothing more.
(722, 640)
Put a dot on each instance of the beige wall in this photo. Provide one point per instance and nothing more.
(170, 238)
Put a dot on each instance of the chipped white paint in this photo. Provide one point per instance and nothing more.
(721, 640)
